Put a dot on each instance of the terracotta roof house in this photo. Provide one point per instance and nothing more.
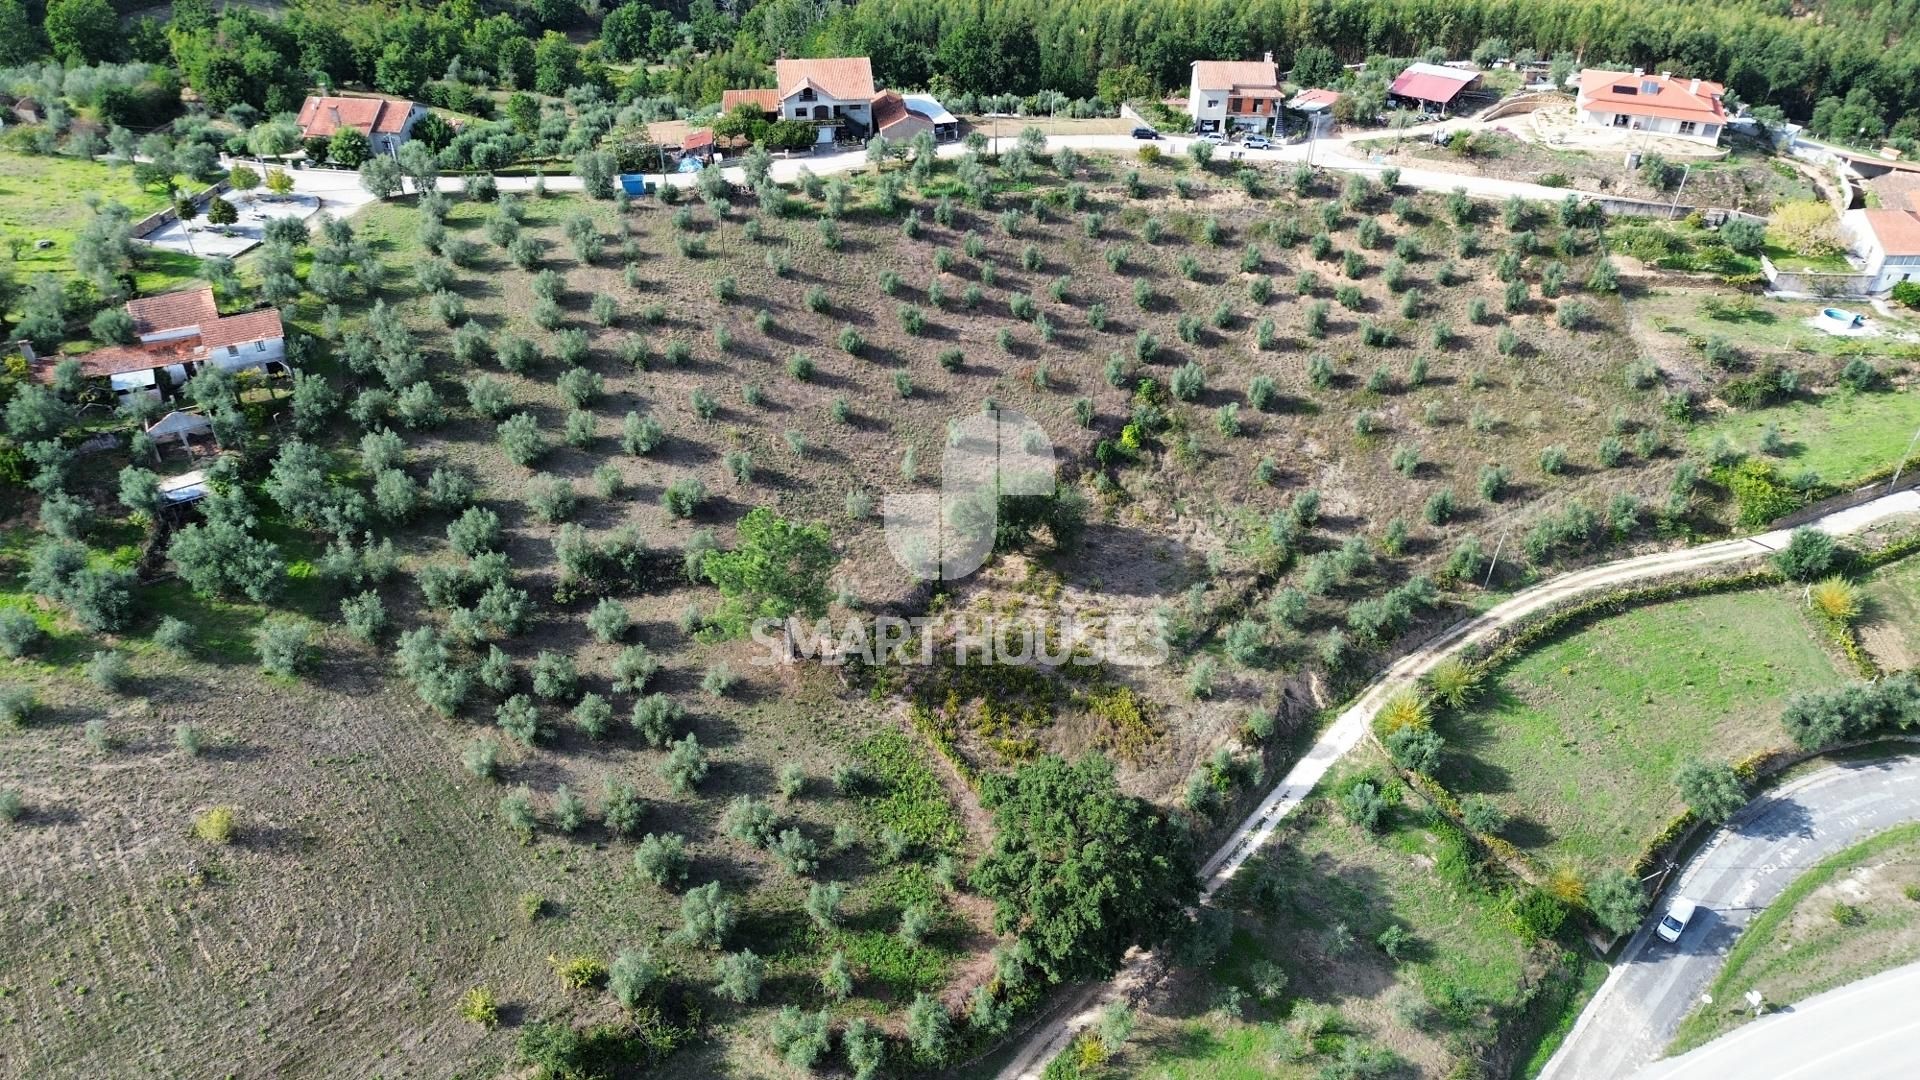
(177, 333)
(834, 93)
(1637, 101)
(386, 122)
(1433, 87)
(1313, 101)
(1887, 240)
(1238, 95)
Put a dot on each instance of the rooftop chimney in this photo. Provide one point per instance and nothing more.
(1639, 71)
(1694, 87)
(1268, 57)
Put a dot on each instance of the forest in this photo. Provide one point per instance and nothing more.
(1852, 66)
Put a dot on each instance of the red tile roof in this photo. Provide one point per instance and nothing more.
(1240, 75)
(1310, 99)
(1672, 99)
(697, 139)
(892, 118)
(1432, 82)
(764, 100)
(120, 359)
(322, 116)
(849, 78)
(1897, 230)
(173, 311)
(262, 325)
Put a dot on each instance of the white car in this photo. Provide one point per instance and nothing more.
(1257, 142)
(1214, 137)
(1674, 922)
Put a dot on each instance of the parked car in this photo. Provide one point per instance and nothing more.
(1214, 137)
(1674, 922)
(1145, 133)
(1257, 142)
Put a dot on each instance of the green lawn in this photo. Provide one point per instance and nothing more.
(1760, 326)
(1319, 874)
(1841, 435)
(1799, 946)
(1788, 259)
(45, 198)
(1579, 739)
(1890, 627)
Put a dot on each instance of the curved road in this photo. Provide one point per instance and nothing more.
(1864, 1031)
(1739, 872)
(1079, 1007)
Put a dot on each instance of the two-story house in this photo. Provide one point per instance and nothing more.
(1887, 240)
(833, 93)
(176, 334)
(1234, 95)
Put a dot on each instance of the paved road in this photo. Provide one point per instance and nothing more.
(1745, 865)
(1865, 1031)
(1081, 1006)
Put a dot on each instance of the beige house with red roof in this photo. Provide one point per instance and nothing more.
(386, 122)
(1662, 104)
(177, 333)
(1234, 95)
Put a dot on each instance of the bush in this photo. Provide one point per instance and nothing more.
(1808, 554)
(217, 826)
(109, 670)
(1711, 789)
(1482, 814)
(1617, 901)
(1363, 805)
(684, 497)
(17, 704)
(284, 644)
(19, 633)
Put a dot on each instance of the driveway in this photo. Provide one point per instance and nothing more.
(1866, 1031)
(1080, 1006)
(1742, 868)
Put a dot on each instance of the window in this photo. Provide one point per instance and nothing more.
(1711, 131)
(1688, 127)
(259, 346)
(806, 93)
(233, 350)
(1620, 120)
(1213, 103)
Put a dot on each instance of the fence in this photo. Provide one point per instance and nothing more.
(160, 219)
(1816, 283)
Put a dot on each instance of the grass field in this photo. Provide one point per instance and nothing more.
(1855, 913)
(1766, 328)
(46, 199)
(1324, 883)
(1580, 739)
(1890, 626)
(1841, 435)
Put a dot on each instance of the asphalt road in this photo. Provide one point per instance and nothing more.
(1868, 1030)
(1740, 870)
(1078, 1007)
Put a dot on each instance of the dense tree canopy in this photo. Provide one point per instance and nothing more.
(1079, 870)
(778, 569)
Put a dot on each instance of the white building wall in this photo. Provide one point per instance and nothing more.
(1207, 107)
(1658, 125)
(248, 354)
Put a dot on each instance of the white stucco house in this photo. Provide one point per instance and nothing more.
(834, 93)
(177, 334)
(1636, 101)
(1887, 240)
(1234, 95)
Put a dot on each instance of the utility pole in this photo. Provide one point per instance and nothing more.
(1495, 561)
(1902, 463)
(1674, 210)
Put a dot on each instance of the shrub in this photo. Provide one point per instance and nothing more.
(284, 644)
(1808, 554)
(218, 825)
(1482, 814)
(1189, 382)
(1616, 900)
(1363, 805)
(19, 633)
(1711, 789)
(662, 860)
(685, 766)
(17, 704)
(1835, 598)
